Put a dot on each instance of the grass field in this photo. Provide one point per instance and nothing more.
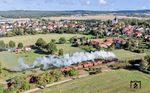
(109, 82)
(127, 55)
(31, 39)
(9, 59)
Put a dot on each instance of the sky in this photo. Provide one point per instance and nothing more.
(61, 5)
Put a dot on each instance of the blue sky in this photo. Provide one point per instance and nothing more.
(60, 5)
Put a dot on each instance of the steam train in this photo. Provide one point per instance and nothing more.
(88, 64)
(33, 79)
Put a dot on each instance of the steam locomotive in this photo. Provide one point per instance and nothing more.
(88, 64)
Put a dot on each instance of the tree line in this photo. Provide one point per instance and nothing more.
(50, 47)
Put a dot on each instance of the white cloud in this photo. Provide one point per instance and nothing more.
(88, 2)
(102, 2)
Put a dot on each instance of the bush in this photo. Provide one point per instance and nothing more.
(17, 84)
(144, 64)
(57, 74)
(94, 71)
(12, 44)
(51, 48)
(136, 50)
(20, 45)
(62, 40)
(119, 65)
(72, 72)
(53, 40)
(10, 90)
(40, 43)
(88, 48)
(2, 44)
(42, 84)
(60, 52)
(25, 85)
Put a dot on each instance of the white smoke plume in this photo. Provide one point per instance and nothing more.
(66, 59)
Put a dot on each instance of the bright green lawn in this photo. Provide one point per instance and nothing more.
(109, 82)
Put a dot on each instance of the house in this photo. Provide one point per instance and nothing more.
(141, 29)
(129, 30)
(96, 41)
(18, 50)
(147, 37)
(107, 42)
(118, 42)
(138, 34)
(27, 48)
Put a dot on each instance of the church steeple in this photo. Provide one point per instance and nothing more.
(115, 20)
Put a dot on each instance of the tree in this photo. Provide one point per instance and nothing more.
(0, 68)
(148, 56)
(18, 31)
(144, 64)
(60, 52)
(60, 30)
(62, 40)
(2, 44)
(40, 43)
(53, 40)
(88, 48)
(12, 44)
(51, 48)
(20, 45)
(44, 31)
(73, 72)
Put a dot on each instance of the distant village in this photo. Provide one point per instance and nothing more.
(119, 33)
(95, 27)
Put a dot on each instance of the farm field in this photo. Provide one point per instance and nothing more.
(31, 39)
(109, 82)
(93, 17)
(88, 17)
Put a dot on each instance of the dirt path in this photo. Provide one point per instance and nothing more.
(3, 82)
(53, 84)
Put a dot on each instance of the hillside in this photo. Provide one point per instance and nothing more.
(33, 13)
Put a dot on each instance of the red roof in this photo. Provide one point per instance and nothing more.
(129, 30)
(110, 39)
(138, 34)
(95, 41)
